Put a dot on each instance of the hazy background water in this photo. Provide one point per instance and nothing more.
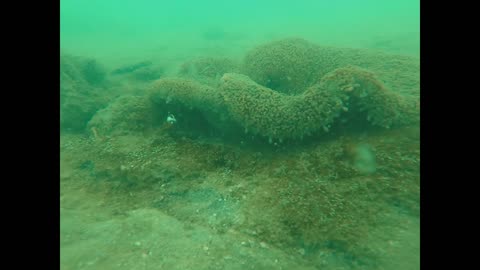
(118, 30)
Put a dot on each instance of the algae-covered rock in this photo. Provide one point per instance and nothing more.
(287, 66)
(187, 92)
(342, 92)
(124, 115)
(265, 112)
(293, 64)
(368, 97)
(322, 92)
(195, 106)
(239, 102)
(82, 91)
(207, 69)
(77, 108)
(81, 68)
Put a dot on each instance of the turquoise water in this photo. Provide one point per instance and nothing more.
(239, 134)
(112, 29)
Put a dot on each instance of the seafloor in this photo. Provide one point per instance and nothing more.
(218, 190)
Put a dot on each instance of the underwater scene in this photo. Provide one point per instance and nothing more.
(239, 134)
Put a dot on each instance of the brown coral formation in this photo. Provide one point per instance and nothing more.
(291, 89)
(288, 66)
(124, 115)
(344, 91)
(293, 64)
(207, 70)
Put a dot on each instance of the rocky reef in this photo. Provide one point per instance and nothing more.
(288, 90)
(337, 187)
(82, 91)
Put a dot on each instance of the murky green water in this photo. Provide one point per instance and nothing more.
(239, 134)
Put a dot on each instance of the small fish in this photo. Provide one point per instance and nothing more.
(171, 119)
(131, 68)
